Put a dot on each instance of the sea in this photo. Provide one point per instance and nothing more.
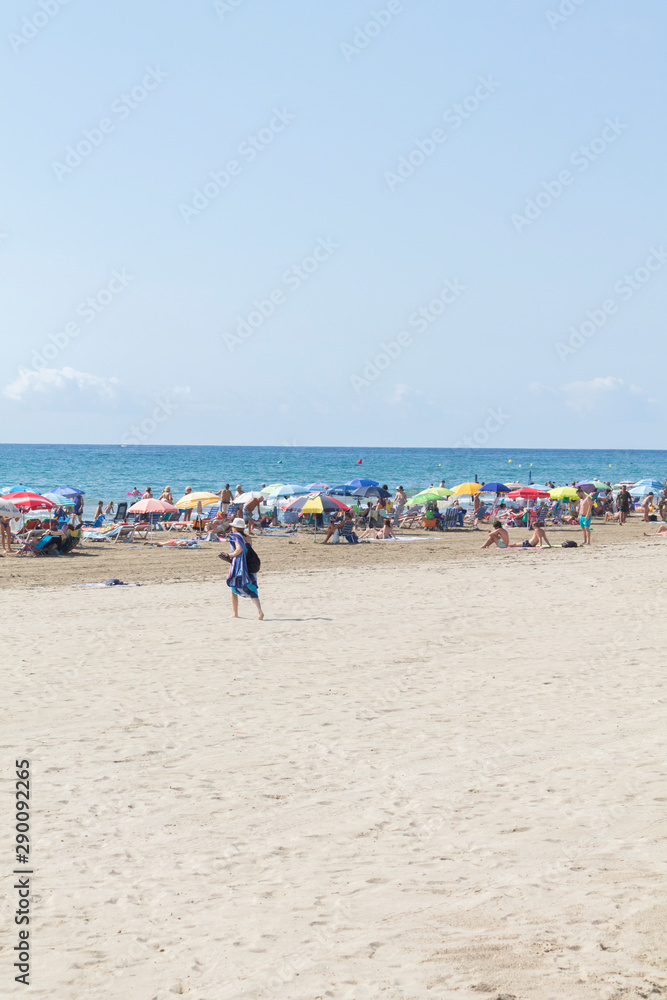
(110, 472)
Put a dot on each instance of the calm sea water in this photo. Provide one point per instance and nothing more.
(108, 472)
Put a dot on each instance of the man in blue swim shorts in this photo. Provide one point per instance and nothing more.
(585, 515)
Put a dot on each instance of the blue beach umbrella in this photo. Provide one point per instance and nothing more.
(356, 483)
(67, 491)
(318, 487)
(18, 489)
(655, 484)
(641, 491)
(288, 490)
(495, 488)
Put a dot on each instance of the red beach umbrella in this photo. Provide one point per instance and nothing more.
(528, 493)
(26, 500)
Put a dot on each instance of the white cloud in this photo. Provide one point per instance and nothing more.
(55, 386)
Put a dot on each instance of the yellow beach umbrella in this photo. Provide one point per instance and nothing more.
(466, 489)
(564, 493)
(190, 500)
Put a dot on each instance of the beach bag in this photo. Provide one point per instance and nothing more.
(252, 560)
(570, 544)
(335, 538)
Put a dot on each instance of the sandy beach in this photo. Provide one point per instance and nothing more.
(142, 562)
(423, 778)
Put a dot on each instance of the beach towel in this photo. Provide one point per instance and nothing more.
(240, 581)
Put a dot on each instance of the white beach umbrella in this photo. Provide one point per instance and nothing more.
(9, 509)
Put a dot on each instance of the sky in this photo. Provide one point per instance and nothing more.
(408, 223)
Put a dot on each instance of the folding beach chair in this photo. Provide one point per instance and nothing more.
(453, 518)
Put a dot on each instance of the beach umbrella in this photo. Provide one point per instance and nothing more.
(427, 495)
(599, 485)
(655, 484)
(20, 488)
(564, 493)
(528, 493)
(190, 500)
(60, 500)
(318, 503)
(586, 487)
(466, 489)
(67, 491)
(151, 506)
(641, 491)
(289, 490)
(266, 490)
(9, 509)
(370, 491)
(319, 487)
(495, 488)
(26, 500)
(356, 483)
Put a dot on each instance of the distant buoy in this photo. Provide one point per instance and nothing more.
(509, 460)
(360, 461)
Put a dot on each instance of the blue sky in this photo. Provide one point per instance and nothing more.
(432, 223)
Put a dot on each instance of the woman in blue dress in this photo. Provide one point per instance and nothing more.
(241, 582)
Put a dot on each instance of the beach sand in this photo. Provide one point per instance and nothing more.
(421, 777)
(145, 563)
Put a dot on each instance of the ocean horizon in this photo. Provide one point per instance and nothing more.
(110, 472)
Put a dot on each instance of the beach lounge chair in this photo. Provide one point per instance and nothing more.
(121, 511)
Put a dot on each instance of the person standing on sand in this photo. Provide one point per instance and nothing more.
(187, 513)
(225, 500)
(109, 509)
(585, 515)
(78, 507)
(400, 501)
(99, 511)
(240, 580)
(5, 534)
(249, 512)
(646, 506)
(623, 501)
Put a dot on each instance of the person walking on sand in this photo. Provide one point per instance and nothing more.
(585, 515)
(623, 501)
(241, 580)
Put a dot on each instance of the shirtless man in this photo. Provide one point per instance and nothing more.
(225, 500)
(249, 511)
(497, 536)
(585, 515)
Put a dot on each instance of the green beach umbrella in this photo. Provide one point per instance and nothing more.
(427, 495)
